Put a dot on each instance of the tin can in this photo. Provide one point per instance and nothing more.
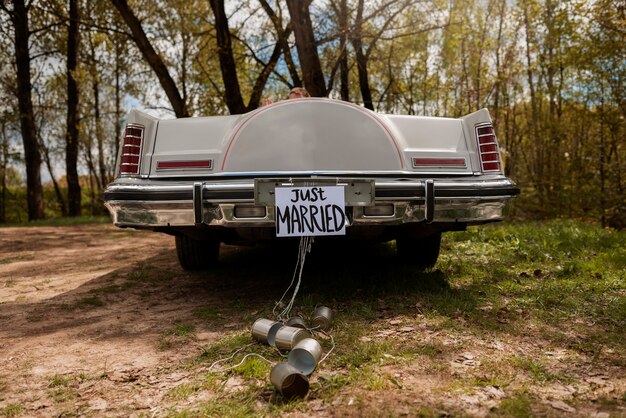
(305, 355)
(322, 318)
(289, 381)
(296, 321)
(264, 330)
(287, 337)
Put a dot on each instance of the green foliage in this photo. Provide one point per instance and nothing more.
(550, 73)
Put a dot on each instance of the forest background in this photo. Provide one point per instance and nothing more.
(551, 73)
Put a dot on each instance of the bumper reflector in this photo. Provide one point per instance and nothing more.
(249, 211)
(379, 210)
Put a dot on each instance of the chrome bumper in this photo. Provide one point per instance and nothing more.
(149, 204)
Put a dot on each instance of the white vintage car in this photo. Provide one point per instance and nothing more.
(308, 167)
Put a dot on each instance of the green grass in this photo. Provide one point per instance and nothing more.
(515, 407)
(21, 257)
(538, 371)
(62, 388)
(561, 271)
(11, 410)
(181, 334)
(206, 313)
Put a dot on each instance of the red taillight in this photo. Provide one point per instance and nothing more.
(131, 150)
(488, 149)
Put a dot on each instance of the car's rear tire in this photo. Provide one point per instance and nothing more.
(420, 252)
(197, 254)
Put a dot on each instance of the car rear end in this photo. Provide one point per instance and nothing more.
(218, 176)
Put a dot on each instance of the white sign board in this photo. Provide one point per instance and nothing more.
(310, 211)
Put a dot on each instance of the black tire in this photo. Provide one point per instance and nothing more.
(420, 252)
(197, 254)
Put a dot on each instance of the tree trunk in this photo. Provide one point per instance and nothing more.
(234, 100)
(57, 190)
(153, 58)
(344, 87)
(307, 48)
(283, 39)
(118, 105)
(537, 172)
(34, 190)
(71, 136)
(361, 59)
(101, 177)
(3, 173)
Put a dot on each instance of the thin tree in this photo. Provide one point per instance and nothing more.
(282, 35)
(233, 97)
(34, 190)
(307, 47)
(71, 136)
(152, 58)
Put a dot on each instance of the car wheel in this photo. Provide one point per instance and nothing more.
(197, 254)
(421, 252)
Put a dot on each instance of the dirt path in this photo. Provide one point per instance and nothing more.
(78, 325)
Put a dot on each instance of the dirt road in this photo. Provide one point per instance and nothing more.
(83, 314)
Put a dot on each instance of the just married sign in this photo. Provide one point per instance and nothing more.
(310, 211)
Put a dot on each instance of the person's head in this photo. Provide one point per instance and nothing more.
(297, 93)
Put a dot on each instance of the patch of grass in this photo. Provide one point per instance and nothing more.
(61, 388)
(11, 410)
(13, 259)
(240, 404)
(253, 368)
(225, 347)
(372, 380)
(184, 391)
(538, 371)
(360, 353)
(182, 330)
(57, 381)
(208, 381)
(555, 271)
(327, 386)
(180, 334)
(514, 407)
(206, 313)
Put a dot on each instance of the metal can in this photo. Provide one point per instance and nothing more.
(287, 337)
(264, 330)
(289, 381)
(305, 355)
(322, 318)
